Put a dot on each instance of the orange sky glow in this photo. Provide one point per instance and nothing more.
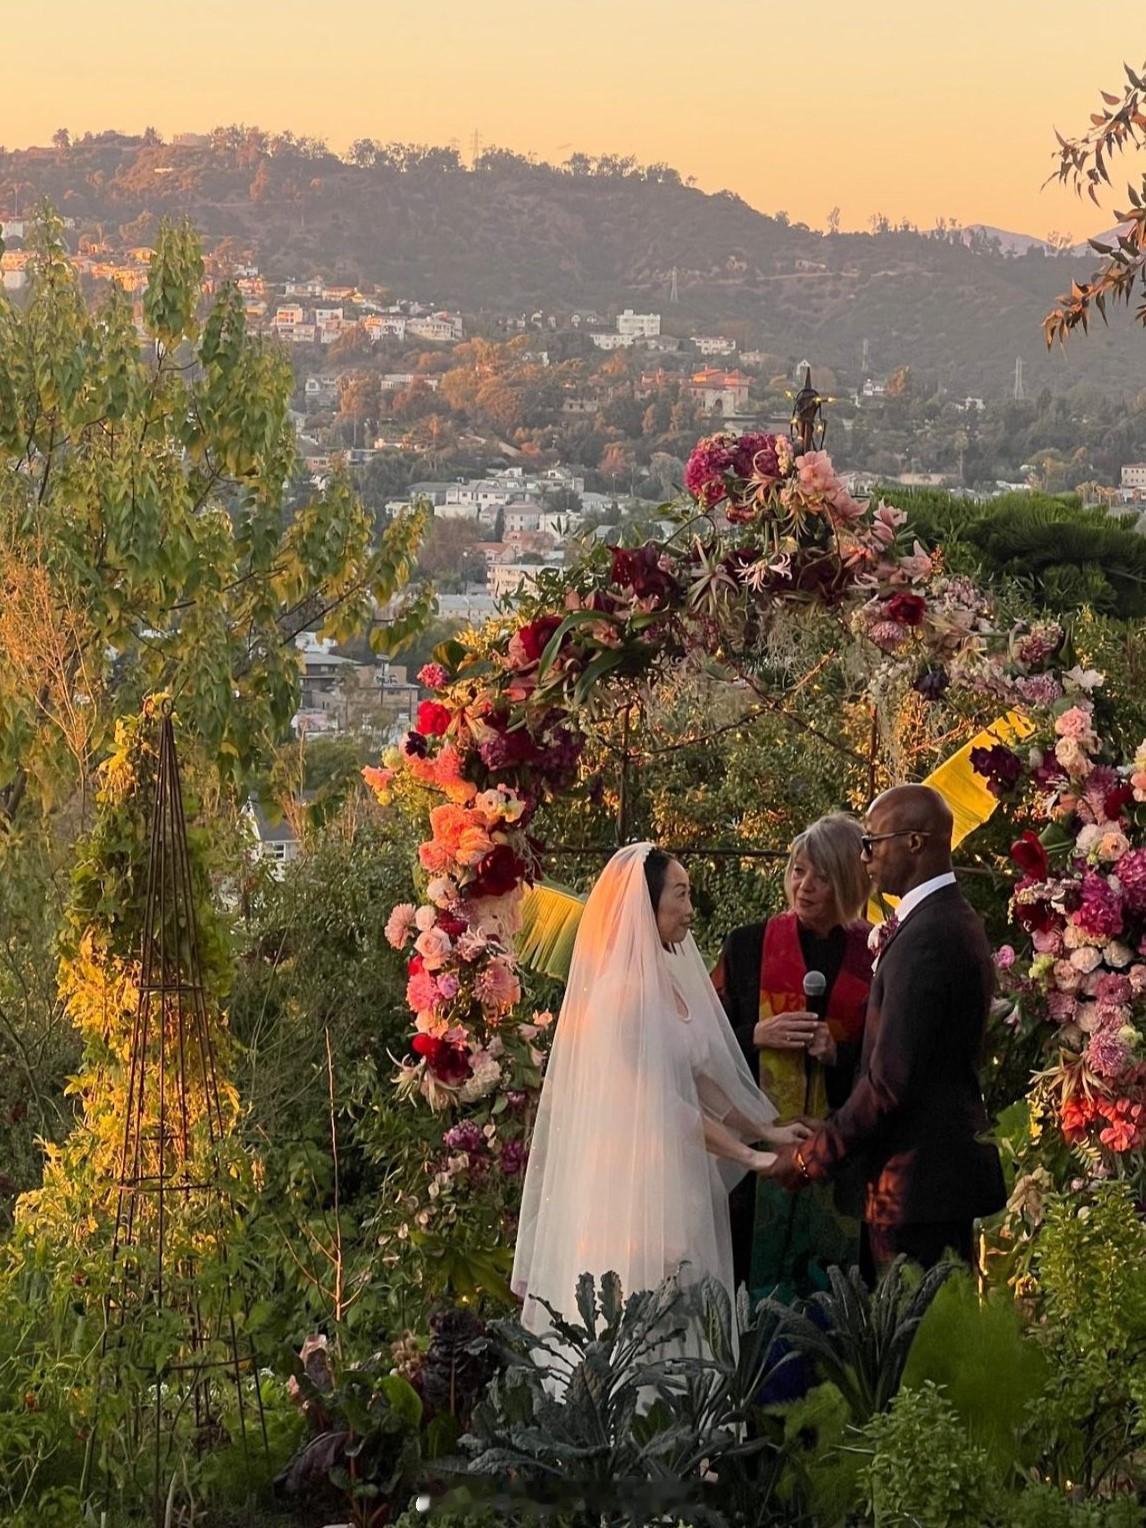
(915, 110)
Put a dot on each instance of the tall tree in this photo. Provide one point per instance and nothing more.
(146, 541)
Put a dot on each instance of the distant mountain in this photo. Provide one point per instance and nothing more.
(1009, 243)
(513, 236)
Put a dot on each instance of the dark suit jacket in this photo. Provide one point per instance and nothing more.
(916, 1112)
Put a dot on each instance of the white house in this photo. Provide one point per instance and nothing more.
(638, 325)
(714, 344)
(1134, 475)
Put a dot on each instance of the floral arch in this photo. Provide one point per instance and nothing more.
(766, 544)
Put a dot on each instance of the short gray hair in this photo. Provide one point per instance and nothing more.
(834, 844)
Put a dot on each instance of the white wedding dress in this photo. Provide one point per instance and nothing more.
(619, 1179)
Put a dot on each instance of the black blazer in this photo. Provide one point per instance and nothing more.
(916, 1113)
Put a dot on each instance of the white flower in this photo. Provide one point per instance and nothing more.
(1117, 956)
(1079, 678)
(485, 1077)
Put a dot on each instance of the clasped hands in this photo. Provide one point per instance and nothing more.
(782, 1139)
(800, 1031)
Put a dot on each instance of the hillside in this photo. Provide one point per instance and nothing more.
(513, 236)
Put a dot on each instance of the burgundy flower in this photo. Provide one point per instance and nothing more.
(1000, 766)
(449, 1063)
(1030, 856)
(414, 746)
(465, 1136)
(905, 609)
(756, 454)
(498, 873)
(640, 570)
(508, 748)
(704, 473)
(1131, 873)
(451, 924)
(433, 718)
(512, 1158)
(1099, 912)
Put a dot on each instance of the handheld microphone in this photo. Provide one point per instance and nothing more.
(815, 995)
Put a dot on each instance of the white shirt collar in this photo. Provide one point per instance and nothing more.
(911, 900)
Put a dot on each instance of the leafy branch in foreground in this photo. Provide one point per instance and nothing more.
(1084, 163)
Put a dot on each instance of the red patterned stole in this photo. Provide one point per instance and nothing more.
(782, 972)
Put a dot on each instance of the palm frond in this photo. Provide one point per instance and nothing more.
(550, 916)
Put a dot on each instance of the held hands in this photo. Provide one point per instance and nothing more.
(789, 1135)
(786, 1031)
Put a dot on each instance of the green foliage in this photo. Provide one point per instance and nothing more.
(989, 1368)
(861, 1339)
(144, 525)
(821, 1467)
(924, 1470)
(638, 1428)
(1065, 557)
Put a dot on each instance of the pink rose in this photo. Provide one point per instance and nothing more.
(1004, 957)
(434, 946)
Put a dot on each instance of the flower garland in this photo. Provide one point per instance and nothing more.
(1081, 901)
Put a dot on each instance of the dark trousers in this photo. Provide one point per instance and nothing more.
(742, 1218)
(924, 1243)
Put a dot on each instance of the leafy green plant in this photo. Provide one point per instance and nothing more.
(923, 1468)
(862, 1338)
(608, 1421)
(990, 1369)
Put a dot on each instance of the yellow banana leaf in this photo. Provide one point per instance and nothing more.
(964, 791)
(549, 918)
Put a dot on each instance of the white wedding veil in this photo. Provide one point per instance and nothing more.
(619, 1179)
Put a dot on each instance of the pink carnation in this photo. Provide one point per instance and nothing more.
(1106, 1054)
(1132, 879)
(704, 473)
(422, 991)
(433, 676)
(888, 635)
(399, 924)
(1077, 723)
(1113, 988)
(1040, 689)
(1004, 957)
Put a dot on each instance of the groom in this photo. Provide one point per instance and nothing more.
(916, 1116)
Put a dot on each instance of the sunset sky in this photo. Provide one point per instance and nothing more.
(912, 109)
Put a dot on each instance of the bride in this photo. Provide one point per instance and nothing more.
(648, 1115)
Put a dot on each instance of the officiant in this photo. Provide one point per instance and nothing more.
(805, 1048)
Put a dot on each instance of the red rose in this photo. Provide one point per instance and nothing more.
(449, 1063)
(529, 642)
(414, 965)
(498, 873)
(433, 718)
(1030, 856)
(906, 609)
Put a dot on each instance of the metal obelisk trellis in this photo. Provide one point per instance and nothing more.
(170, 1206)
